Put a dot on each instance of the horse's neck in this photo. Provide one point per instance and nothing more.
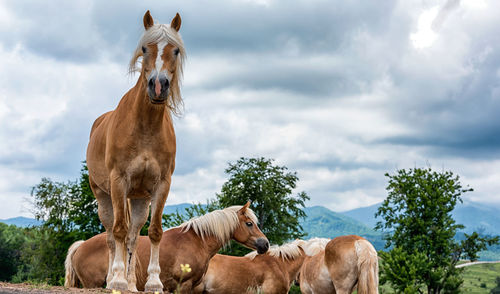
(209, 244)
(292, 266)
(146, 115)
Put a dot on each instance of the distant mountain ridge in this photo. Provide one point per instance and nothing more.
(21, 221)
(474, 216)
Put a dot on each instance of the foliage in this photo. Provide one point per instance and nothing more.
(420, 228)
(11, 241)
(269, 187)
(69, 213)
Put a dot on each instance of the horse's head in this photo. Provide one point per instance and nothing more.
(248, 233)
(162, 52)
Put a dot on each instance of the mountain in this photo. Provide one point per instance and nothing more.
(21, 221)
(473, 215)
(322, 222)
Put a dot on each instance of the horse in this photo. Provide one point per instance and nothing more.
(195, 242)
(339, 265)
(273, 272)
(131, 153)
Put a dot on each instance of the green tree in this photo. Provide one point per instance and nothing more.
(420, 228)
(269, 187)
(69, 213)
(11, 242)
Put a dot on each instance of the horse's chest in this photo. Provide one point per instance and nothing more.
(143, 174)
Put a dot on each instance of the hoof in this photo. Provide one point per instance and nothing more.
(153, 287)
(132, 288)
(118, 284)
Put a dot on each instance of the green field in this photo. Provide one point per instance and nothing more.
(480, 278)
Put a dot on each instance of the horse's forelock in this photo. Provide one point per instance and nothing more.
(154, 35)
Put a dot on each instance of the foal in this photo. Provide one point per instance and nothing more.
(338, 267)
(131, 154)
(265, 273)
(193, 242)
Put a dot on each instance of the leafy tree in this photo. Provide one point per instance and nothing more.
(69, 213)
(11, 241)
(420, 228)
(269, 187)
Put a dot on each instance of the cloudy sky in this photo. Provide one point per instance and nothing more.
(339, 91)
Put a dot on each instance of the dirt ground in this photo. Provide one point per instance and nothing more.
(9, 288)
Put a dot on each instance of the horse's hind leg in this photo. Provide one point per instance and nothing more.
(139, 215)
(155, 233)
(105, 211)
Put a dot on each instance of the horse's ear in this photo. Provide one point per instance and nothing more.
(244, 208)
(176, 22)
(148, 20)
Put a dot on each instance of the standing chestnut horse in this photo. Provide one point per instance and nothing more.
(131, 154)
(344, 263)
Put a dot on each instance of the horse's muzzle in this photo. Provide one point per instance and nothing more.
(262, 245)
(158, 88)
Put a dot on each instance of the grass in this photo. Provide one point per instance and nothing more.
(480, 278)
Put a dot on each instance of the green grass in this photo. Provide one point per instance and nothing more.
(478, 279)
(480, 274)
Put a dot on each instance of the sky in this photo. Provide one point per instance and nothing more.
(340, 92)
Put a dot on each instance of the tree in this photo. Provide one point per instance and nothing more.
(420, 229)
(11, 241)
(269, 187)
(69, 213)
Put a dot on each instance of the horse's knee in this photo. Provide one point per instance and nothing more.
(119, 232)
(155, 234)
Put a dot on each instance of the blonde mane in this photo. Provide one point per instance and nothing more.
(315, 245)
(155, 34)
(219, 223)
(286, 251)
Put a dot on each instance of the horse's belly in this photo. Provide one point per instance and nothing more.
(144, 174)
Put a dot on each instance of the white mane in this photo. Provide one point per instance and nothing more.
(219, 223)
(315, 245)
(286, 251)
(155, 34)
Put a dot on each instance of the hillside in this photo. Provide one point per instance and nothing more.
(21, 221)
(474, 216)
(322, 222)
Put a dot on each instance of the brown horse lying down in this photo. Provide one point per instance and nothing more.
(265, 273)
(193, 242)
(338, 267)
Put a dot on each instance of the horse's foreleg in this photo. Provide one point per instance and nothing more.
(120, 228)
(139, 215)
(155, 233)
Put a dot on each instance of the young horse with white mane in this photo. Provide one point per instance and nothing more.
(193, 242)
(131, 154)
(338, 265)
(273, 272)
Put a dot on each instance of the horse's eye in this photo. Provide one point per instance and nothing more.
(143, 49)
(176, 51)
(249, 224)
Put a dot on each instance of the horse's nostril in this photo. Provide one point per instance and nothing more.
(151, 82)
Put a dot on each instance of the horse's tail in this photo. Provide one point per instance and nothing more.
(71, 279)
(367, 267)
